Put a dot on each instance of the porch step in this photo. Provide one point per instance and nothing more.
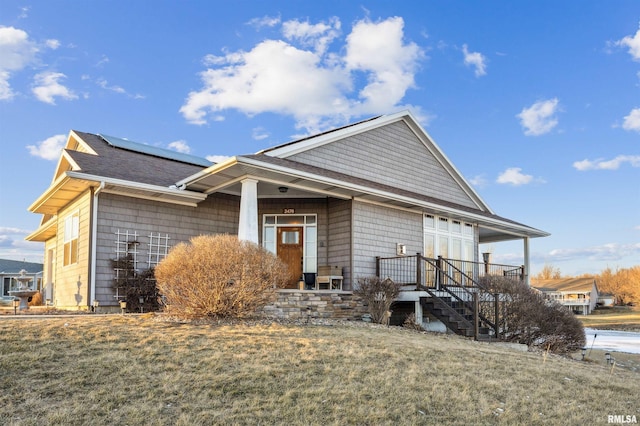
(453, 315)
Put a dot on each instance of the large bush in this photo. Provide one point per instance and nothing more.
(528, 318)
(219, 276)
(377, 295)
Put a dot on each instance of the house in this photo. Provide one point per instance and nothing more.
(578, 294)
(606, 300)
(344, 203)
(10, 270)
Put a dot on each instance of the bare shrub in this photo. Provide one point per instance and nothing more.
(36, 299)
(219, 276)
(377, 295)
(528, 318)
(411, 322)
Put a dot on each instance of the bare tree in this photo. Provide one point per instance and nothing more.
(549, 273)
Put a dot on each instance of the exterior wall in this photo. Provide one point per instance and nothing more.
(377, 230)
(338, 237)
(72, 281)
(391, 155)
(218, 214)
(292, 304)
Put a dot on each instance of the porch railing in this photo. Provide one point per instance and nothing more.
(457, 280)
(422, 271)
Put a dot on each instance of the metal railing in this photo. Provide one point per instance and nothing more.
(454, 279)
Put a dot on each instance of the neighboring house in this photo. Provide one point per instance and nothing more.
(578, 294)
(334, 201)
(12, 269)
(606, 300)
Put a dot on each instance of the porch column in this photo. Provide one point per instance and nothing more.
(248, 223)
(418, 312)
(527, 264)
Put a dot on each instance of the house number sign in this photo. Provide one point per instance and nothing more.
(288, 211)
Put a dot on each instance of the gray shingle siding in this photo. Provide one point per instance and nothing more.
(339, 238)
(218, 214)
(369, 155)
(377, 230)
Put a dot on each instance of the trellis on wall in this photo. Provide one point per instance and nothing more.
(129, 250)
(158, 248)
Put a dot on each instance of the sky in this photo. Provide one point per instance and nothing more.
(536, 103)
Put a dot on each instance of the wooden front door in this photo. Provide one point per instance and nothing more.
(290, 251)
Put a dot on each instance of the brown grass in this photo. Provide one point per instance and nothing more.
(103, 370)
(618, 318)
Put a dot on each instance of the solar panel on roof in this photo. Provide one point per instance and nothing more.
(155, 151)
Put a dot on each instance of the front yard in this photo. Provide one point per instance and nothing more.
(105, 370)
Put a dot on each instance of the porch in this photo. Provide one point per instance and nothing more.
(454, 292)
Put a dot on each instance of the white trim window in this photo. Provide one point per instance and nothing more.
(449, 238)
(71, 233)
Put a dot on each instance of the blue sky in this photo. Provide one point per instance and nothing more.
(537, 103)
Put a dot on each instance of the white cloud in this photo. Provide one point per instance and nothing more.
(632, 121)
(50, 148)
(378, 49)
(47, 87)
(480, 181)
(16, 52)
(259, 133)
(318, 36)
(607, 252)
(302, 78)
(633, 43)
(105, 85)
(265, 21)
(103, 60)
(539, 118)
(217, 158)
(514, 176)
(180, 146)
(52, 44)
(10, 230)
(476, 59)
(614, 164)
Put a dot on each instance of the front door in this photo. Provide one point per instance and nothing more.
(289, 249)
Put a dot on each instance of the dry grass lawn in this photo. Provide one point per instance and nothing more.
(134, 370)
(618, 318)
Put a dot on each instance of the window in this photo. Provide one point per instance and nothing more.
(449, 238)
(71, 230)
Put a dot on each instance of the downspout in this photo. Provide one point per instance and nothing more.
(94, 243)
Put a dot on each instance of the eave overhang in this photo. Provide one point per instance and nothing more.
(226, 177)
(71, 184)
(45, 232)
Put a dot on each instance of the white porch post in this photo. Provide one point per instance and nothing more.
(248, 223)
(527, 264)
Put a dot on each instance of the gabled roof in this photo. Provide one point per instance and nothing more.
(565, 285)
(296, 147)
(135, 163)
(116, 166)
(8, 266)
(276, 167)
